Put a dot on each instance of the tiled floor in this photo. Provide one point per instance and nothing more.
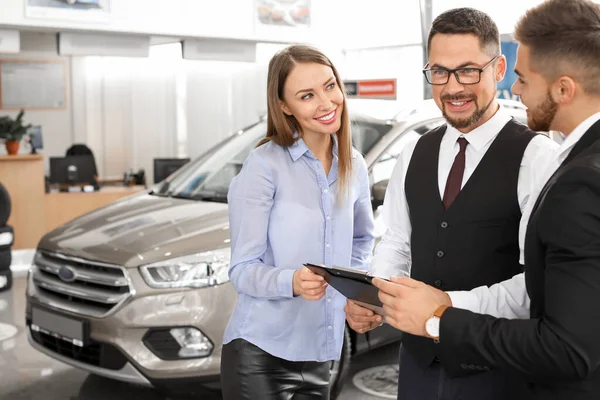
(26, 374)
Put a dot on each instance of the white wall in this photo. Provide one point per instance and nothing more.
(504, 13)
(132, 110)
(129, 113)
(343, 23)
(377, 23)
(57, 125)
(231, 18)
(123, 109)
(140, 109)
(221, 99)
(402, 62)
(188, 18)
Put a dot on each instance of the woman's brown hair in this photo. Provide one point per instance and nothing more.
(281, 127)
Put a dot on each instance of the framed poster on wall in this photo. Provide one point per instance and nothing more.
(37, 85)
(75, 10)
(287, 17)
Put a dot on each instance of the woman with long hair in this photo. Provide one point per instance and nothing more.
(302, 196)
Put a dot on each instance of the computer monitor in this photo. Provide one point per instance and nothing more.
(163, 167)
(35, 138)
(72, 170)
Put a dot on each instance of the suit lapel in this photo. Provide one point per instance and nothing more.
(587, 140)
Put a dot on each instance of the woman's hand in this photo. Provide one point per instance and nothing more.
(308, 284)
(361, 319)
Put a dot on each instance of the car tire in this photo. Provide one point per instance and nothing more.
(5, 280)
(4, 205)
(339, 369)
(5, 260)
(7, 237)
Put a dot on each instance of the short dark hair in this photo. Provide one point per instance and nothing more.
(468, 21)
(563, 37)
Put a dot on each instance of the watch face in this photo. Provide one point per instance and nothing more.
(432, 327)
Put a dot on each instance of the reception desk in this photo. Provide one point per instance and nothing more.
(35, 212)
(23, 178)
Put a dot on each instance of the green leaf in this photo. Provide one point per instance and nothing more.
(13, 129)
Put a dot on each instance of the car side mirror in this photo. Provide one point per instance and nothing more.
(378, 193)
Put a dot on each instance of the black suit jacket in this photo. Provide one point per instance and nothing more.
(558, 349)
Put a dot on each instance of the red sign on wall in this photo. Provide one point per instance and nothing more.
(371, 89)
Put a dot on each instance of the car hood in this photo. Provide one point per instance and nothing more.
(142, 229)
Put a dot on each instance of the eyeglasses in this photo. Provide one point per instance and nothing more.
(465, 76)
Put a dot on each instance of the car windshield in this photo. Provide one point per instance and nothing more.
(208, 177)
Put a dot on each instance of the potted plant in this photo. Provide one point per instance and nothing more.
(12, 131)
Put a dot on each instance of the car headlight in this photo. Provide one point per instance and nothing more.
(196, 270)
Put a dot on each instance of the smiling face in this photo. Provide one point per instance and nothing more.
(313, 96)
(534, 91)
(465, 106)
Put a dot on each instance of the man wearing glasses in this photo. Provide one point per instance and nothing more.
(455, 205)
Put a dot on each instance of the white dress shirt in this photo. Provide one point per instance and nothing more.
(509, 299)
(392, 255)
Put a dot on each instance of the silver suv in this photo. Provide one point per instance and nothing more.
(138, 290)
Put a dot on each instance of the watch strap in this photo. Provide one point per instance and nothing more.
(440, 310)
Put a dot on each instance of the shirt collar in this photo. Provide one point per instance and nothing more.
(299, 148)
(479, 137)
(572, 139)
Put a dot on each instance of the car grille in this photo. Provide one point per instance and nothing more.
(95, 353)
(94, 289)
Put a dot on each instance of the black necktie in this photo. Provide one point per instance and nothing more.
(455, 177)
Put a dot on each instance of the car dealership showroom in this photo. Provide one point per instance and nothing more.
(144, 222)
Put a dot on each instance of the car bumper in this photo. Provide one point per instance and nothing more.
(124, 329)
(127, 374)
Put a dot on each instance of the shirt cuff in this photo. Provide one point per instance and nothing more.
(285, 285)
(465, 300)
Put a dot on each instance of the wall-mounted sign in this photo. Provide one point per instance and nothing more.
(287, 21)
(33, 84)
(292, 13)
(77, 10)
(371, 89)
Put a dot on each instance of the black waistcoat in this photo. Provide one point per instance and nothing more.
(474, 242)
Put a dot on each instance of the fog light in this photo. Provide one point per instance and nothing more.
(193, 343)
(170, 343)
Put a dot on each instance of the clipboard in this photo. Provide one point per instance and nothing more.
(355, 285)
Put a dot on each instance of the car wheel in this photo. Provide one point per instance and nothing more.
(339, 369)
(4, 205)
(5, 260)
(5, 280)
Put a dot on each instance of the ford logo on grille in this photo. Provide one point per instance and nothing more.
(66, 274)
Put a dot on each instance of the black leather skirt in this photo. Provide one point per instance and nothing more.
(249, 373)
